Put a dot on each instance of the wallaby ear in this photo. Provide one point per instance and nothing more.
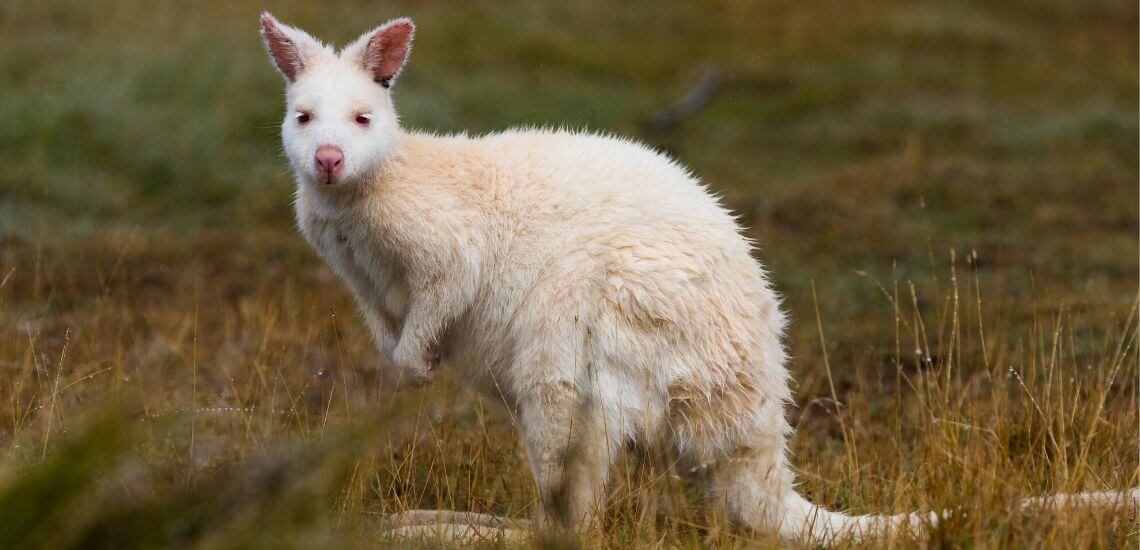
(289, 47)
(386, 48)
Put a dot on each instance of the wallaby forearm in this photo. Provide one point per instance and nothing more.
(434, 303)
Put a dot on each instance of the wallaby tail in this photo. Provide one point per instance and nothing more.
(801, 521)
(805, 522)
(815, 525)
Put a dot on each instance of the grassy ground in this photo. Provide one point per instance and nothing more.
(945, 193)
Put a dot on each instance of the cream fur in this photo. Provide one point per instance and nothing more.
(592, 284)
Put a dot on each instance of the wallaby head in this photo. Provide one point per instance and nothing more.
(339, 120)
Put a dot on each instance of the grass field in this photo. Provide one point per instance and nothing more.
(944, 192)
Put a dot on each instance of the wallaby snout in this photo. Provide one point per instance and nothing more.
(329, 162)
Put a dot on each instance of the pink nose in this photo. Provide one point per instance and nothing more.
(330, 163)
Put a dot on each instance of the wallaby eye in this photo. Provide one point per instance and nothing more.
(303, 118)
(364, 119)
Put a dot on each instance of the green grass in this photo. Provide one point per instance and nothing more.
(148, 257)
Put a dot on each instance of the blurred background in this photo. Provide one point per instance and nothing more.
(884, 151)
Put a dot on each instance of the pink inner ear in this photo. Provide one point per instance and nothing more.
(281, 47)
(388, 48)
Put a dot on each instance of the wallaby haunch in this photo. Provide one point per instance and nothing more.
(592, 284)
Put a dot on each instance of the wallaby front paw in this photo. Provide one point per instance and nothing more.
(432, 359)
(417, 369)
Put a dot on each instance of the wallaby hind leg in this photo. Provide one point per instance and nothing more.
(570, 452)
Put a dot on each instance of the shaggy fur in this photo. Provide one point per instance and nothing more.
(592, 284)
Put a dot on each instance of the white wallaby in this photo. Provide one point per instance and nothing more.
(592, 284)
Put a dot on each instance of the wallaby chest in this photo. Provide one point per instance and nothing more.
(357, 254)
